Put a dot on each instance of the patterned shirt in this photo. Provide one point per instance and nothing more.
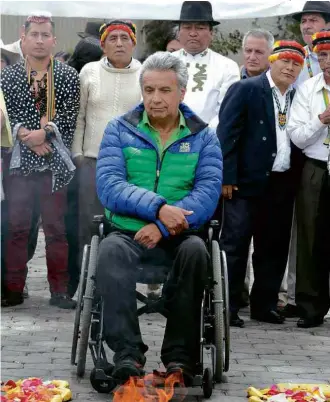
(23, 112)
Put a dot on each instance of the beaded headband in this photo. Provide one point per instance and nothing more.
(126, 26)
(321, 41)
(39, 17)
(285, 49)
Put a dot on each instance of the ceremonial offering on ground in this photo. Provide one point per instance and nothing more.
(291, 393)
(36, 390)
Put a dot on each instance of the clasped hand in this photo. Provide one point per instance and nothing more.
(325, 116)
(173, 218)
(35, 140)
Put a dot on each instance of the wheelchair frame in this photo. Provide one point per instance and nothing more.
(215, 330)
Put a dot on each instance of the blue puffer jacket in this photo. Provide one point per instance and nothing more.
(133, 181)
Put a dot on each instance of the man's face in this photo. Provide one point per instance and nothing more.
(38, 40)
(324, 61)
(285, 71)
(173, 46)
(256, 52)
(118, 47)
(195, 37)
(161, 94)
(309, 24)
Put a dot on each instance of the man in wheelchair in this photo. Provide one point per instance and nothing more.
(159, 176)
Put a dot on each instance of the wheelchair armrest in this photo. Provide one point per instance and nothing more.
(97, 226)
(214, 224)
(98, 219)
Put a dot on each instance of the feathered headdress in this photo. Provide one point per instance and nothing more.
(321, 41)
(286, 49)
(126, 26)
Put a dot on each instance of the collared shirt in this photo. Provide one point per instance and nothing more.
(282, 159)
(305, 128)
(210, 76)
(146, 127)
(244, 73)
(314, 65)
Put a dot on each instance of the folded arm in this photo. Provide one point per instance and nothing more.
(203, 198)
(303, 128)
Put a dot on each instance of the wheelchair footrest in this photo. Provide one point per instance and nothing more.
(153, 306)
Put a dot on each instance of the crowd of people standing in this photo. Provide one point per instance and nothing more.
(271, 117)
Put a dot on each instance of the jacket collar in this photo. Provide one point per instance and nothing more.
(268, 103)
(193, 122)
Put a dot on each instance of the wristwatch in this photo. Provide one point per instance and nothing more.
(49, 132)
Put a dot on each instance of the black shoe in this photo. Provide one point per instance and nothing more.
(290, 311)
(270, 316)
(126, 368)
(310, 322)
(10, 299)
(62, 300)
(182, 368)
(235, 321)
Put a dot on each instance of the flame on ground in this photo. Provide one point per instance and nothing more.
(146, 389)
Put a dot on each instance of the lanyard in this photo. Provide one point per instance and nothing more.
(281, 117)
(309, 66)
(326, 102)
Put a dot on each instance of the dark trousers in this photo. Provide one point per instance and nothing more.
(22, 193)
(83, 204)
(34, 230)
(266, 218)
(72, 234)
(313, 240)
(89, 204)
(116, 278)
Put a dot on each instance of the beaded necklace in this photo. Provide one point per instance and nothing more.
(50, 90)
(281, 117)
(309, 66)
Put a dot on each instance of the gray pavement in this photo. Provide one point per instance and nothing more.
(36, 341)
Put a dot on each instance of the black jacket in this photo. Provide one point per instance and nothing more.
(247, 134)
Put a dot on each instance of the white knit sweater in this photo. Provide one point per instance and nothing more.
(105, 92)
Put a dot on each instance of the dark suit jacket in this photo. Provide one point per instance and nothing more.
(247, 134)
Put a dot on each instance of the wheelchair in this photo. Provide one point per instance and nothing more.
(214, 326)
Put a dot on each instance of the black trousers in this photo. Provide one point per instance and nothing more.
(116, 280)
(72, 235)
(266, 218)
(313, 240)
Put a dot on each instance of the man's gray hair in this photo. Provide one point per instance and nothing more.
(260, 34)
(165, 61)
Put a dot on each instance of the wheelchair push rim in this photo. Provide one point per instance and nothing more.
(218, 305)
(87, 308)
(81, 292)
(226, 310)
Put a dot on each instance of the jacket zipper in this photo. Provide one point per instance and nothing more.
(159, 167)
(159, 159)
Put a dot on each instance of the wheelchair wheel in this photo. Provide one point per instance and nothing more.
(101, 386)
(219, 334)
(226, 309)
(207, 383)
(81, 292)
(87, 309)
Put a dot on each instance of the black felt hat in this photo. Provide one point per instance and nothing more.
(313, 7)
(197, 11)
(92, 29)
